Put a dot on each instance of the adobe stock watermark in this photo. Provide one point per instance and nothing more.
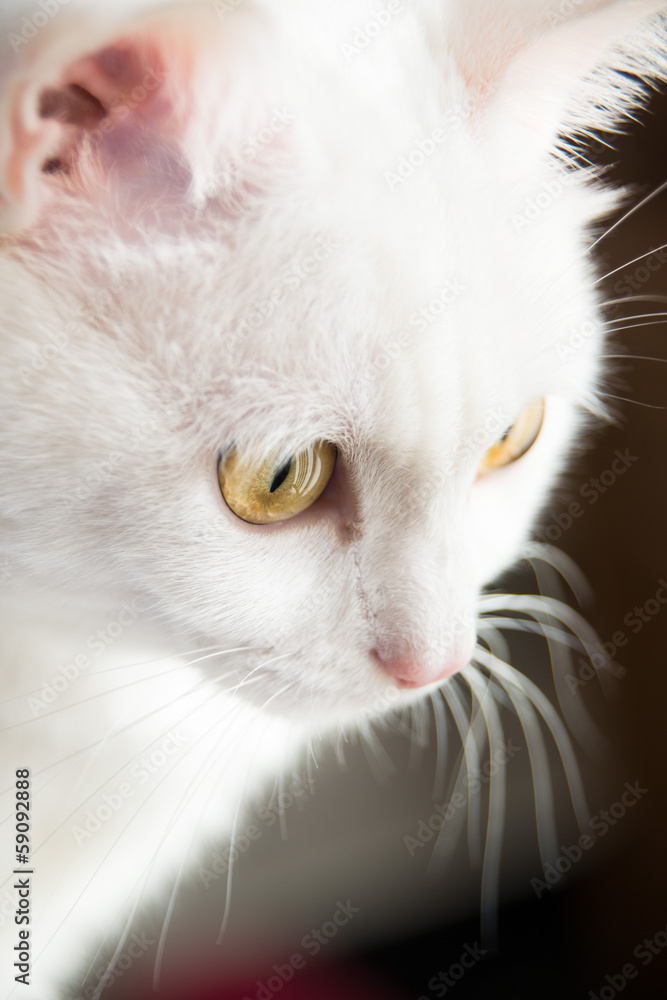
(105, 468)
(426, 146)
(300, 270)
(601, 655)
(574, 337)
(474, 781)
(42, 356)
(139, 773)
(644, 952)
(423, 149)
(102, 298)
(233, 168)
(633, 281)
(367, 32)
(59, 340)
(459, 624)
(122, 106)
(297, 792)
(440, 984)
(590, 491)
(32, 24)
(599, 825)
(391, 697)
(495, 424)
(136, 947)
(546, 195)
(225, 7)
(318, 600)
(562, 12)
(312, 944)
(418, 321)
(94, 644)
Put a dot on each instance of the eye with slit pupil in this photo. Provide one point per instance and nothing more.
(273, 490)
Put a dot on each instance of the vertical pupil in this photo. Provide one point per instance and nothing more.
(281, 475)
(507, 433)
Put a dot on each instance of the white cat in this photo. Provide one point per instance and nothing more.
(271, 301)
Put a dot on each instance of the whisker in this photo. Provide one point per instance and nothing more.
(128, 684)
(536, 627)
(230, 867)
(104, 859)
(566, 568)
(580, 256)
(264, 663)
(378, 759)
(631, 357)
(630, 326)
(636, 402)
(511, 678)
(77, 754)
(629, 263)
(644, 297)
(119, 947)
(417, 736)
(613, 322)
(225, 917)
(230, 872)
(586, 731)
(558, 641)
(539, 765)
(137, 887)
(96, 673)
(192, 789)
(470, 759)
(181, 870)
(635, 208)
(441, 741)
(124, 765)
(496, 816)
(553, 608)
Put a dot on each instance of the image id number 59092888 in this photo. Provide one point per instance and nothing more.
(22, 884)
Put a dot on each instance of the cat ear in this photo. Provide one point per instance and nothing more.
(145, 101)
(548, 68)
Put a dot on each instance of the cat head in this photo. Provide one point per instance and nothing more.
(292, 294)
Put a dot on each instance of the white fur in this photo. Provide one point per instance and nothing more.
(150, 255)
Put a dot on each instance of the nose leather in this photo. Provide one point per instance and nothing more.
(411, 673)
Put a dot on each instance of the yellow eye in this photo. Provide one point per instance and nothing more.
(275, 490)
(516, 441)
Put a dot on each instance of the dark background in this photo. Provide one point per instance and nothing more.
(347, 839)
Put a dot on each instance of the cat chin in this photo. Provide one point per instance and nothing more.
(366, 693)
(327, 706)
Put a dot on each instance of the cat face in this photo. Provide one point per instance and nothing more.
(340, 260)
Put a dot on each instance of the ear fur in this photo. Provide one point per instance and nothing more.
(154, 94)
(571, 68)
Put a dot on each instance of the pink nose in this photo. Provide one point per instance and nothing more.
(411, 673)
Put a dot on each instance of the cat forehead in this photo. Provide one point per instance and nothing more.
(418, 380)
(395, 319)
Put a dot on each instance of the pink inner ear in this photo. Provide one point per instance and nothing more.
(127, 75)
(148, 113)
(71, 105)
(115, 90)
